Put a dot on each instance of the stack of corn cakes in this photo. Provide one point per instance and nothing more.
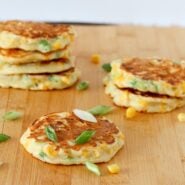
(147, 85)
(36, 56)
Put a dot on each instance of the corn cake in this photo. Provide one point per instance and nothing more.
(105, 142)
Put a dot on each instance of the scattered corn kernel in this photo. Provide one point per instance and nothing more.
(95, 59)
(113, 168)
(181, 117)
(130, 112)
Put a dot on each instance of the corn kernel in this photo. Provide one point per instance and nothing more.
(57, 45)
(181, 117)
(50, 151)
(113, 168)
(66, 80)
(143, 103)
(130, 112)
(85, 153)
(97, 153)
(95, 59)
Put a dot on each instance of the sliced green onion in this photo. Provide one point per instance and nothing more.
(107, 67)
(12, 115)
(133, 83)
(51, 134)
(101, 110)
(82, 86)
(84, 115)
(42, 154)
(53, 78)
(4, 137)
(85, 136)
(44, 45)
(93, 168)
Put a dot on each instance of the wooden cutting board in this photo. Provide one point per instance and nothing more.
(154, 153)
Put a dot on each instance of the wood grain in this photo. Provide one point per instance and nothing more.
(154, 153)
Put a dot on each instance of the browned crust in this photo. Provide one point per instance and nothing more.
(34, 29)
(40, 75)
(71, 70)
(43, 63)
(71, 127)
(17, 53)
(164, 70)
(146, 94)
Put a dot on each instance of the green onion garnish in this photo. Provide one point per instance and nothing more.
(82, 86)
(100, 110)
(85, 136)
(93, 168)
(51, 134)
(4, 137)
(12, 115)
(42, 154)
(107, 67)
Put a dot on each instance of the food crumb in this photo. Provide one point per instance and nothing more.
(113, 168)
(130, 112)
(95, 58)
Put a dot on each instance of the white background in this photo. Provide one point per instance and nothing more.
(147, 12)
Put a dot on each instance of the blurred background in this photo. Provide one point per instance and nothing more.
(145, 12)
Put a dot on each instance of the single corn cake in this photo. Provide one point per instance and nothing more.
(160, 76)
(35, 36)
(40, 81)
(63, 138)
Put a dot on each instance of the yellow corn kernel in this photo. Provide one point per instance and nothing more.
(143, 103)
(119, 78)
(57, 45)
(66, 80)
(97, 153)
(113, 168)
(130, 112)
(50, 151)
(85, 153)
(181, 117)
(95, 58)
(105, 148)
